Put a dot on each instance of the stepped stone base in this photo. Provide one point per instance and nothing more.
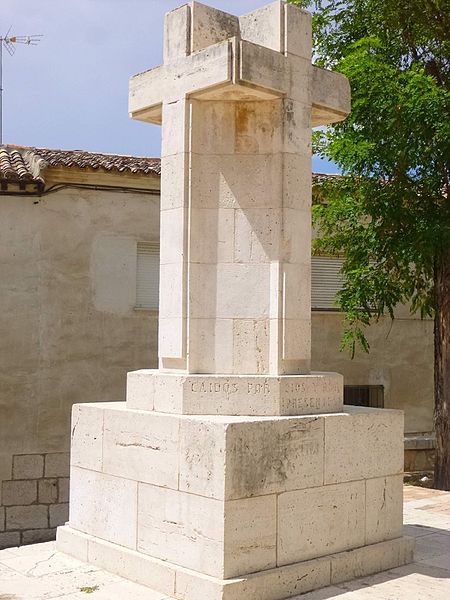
(272, 584)
(236, 506)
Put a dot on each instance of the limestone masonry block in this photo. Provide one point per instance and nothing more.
(58, 514)
(293, 395)
(63, 489)
(38, 536)
(371, 559)
(19, 492)
(204, 534)
(87, 436)
(57, 464)
(210, 26)
(9, 539)
(376, 447)
(327, 519)
(264, 26)
(104, 506)
(26, 517)
(177, 33)
(2, 518)
(142, 449)
(384, 508)
(47, 491)
(28, 466)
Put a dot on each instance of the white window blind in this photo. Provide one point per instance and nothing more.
(326, 281)
(147, 275)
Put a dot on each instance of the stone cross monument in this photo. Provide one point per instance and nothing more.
(233, 472)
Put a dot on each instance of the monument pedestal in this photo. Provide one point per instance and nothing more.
(232, 507)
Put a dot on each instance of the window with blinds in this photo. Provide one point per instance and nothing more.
(326, 281)
(147, 275)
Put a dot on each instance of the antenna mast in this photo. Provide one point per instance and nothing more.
(8, 41)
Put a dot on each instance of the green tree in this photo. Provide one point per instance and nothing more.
(389, 214)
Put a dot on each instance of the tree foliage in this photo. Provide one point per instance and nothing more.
(389, 214)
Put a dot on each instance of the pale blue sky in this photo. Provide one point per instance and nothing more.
(71, 91)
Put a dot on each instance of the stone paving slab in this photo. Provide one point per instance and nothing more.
(38, 572)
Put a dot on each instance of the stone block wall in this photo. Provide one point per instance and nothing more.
(35, 500)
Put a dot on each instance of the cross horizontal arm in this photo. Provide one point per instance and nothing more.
(331, 97)
(206, 68)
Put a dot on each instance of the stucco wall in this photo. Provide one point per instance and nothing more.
(69, 330)
(400, 359)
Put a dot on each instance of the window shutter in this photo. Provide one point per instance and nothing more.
(147, 275)
(326, 281)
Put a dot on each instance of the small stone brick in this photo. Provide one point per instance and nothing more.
(28, 466)
(48, 491)
(36, 536)
(27, 517)
(63, 485)
(8, 540)
(19, 493)
(2, 518)
(59, 514)
(57, 464)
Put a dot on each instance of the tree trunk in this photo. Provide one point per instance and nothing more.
(442, 373)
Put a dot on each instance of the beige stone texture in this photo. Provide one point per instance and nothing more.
(218, 539)
(384, 508)
(19, 492)
(87, 436)
(371, 559)
(328, 519)
(141, 447)
(28, 466)
(26, 517)
(368, 429)
(104, 506)
(314, 393)
(290, 581)
(2, 518)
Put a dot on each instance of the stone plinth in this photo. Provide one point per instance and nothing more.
(222, 506)
(249, 395)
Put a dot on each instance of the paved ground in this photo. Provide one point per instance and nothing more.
(39, 572)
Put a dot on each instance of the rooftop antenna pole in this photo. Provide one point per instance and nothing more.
(8, 42)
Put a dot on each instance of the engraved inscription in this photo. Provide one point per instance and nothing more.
(214, 387)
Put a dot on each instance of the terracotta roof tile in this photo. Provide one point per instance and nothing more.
(23, 164)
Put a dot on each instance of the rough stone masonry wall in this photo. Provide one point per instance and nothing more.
(35, 500)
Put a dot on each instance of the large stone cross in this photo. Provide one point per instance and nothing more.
(237, 98)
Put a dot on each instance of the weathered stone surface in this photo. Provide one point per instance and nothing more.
(104, 506)
(9, 539)
(141, 447)
(63, 489)
(384, 508)
(376, 447)
(314, 393)
(327, 519)
(57, 464)
(47, 491)
(16, 493)
(87, 436)
(272, 584)
(189, 530)
(37, 536)
(26, 517)
(28, 466)
(58, 514)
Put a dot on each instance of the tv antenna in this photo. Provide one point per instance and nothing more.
(8, 42)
